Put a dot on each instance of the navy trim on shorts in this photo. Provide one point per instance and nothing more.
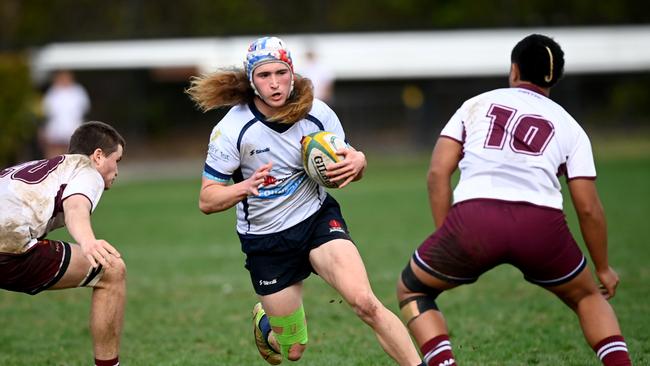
(562, 280)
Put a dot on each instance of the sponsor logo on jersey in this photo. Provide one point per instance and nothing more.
(336, 226)
(216, 153)
(215, 135)
(269, 179)
(259, 151)
(283, 186)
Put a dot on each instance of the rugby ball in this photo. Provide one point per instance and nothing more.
(318, 151)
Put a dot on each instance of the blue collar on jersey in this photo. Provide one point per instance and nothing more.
(275, 126)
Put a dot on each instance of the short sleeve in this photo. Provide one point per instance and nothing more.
(87, 182)
(580, 162)
(454, 128)
(331, 122)
(223, 156)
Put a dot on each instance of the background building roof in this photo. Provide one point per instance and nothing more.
(367, 55)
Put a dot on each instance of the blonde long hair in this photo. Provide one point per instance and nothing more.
(230, 87)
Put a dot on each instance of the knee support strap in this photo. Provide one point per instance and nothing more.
(290, 329)
(414, 306)
(414, 284)
(93, 276)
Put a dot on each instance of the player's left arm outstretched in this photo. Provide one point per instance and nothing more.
(349, 169)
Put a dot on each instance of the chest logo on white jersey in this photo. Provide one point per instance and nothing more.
(259, 151)
(274, 187)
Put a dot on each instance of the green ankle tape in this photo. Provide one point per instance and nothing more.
(293, 329)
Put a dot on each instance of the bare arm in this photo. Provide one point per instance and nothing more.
(76, 209)
(593, 226)
(444, 161)
(217, 196)
(350, 169)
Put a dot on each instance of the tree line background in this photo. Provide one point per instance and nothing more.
(27, 23)
(149, 110)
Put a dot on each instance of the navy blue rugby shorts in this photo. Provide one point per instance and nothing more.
(278, 260)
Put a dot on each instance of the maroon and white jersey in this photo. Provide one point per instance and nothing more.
(516, 142)
(32, 194)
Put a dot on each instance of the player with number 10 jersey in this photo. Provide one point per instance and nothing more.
(516, 142)
(510, 146)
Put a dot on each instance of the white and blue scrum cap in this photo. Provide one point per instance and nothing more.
(265, 50)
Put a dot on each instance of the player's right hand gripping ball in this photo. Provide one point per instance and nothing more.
(318, 151)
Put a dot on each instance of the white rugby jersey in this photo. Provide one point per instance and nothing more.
(32, 194)
(244, 140)
(516, 142)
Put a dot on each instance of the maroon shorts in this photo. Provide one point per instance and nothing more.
(37, 269)
(478, 235)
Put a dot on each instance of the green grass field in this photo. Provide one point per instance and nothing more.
(189, 297)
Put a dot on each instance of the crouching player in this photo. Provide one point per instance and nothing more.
(40, 196)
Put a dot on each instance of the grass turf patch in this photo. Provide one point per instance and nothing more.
(189, 297)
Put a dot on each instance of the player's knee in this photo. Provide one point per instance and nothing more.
(577, 290)
(415, 297)
(410, 285)
(574, 298)
(366, 305)
(414, 306)
(113, 277)
(117, 270)
(401, 291)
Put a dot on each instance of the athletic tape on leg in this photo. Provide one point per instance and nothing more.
(293, 329)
